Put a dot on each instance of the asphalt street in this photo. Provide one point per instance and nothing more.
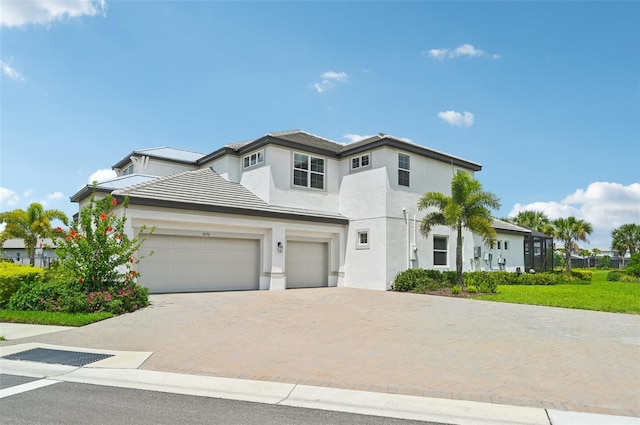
(67, 403)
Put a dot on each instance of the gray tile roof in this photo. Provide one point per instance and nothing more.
(171, 153)
(508, 227)
(206, 190)
(167, 153)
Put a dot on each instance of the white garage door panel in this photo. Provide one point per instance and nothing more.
(188, 264)
(307, 264)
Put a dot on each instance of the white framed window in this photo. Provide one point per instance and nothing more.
(499, 244)
(308, 171)
(360, 161)
(440, 250)
(404, 169)
(128, 170)
(362, 239)
(253, 159)
(506, 245)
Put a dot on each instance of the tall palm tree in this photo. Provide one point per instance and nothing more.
(468, 207)
(626, 238)
(30, 225)
(570, 230)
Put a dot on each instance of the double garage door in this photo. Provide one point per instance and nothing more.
(193, 264)
(200, 264)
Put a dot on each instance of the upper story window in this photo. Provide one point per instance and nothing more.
(128, 170)
(404, 169)
(360, 161)
(308, 171)
(253, 159)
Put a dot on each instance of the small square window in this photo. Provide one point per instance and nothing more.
(362, 239)
(360, 161)
(253, 159)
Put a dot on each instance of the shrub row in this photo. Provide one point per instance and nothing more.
(72, 297)
(13, 276)
(421, 280)
(34, 288)
(621, 276)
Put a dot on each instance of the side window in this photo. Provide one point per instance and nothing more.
(404, 169)
(360, 161)
(253, 159)
(362, 239)
(440, 252)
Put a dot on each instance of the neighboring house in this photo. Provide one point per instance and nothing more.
(617, 261)
(14, 249)
(292, 209)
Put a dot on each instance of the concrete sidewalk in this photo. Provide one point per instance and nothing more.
(553, 360)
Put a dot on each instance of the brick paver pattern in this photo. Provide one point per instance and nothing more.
(391, 342)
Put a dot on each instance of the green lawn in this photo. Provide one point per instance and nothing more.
(49, 318)
(615, 297)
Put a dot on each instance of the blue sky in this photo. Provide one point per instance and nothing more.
(545, 95)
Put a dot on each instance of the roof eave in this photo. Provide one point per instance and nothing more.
(86, 191)
(233, 210)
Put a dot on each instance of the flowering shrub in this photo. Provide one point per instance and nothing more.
(97, 250)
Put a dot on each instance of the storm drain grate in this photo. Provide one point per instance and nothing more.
(68, 358)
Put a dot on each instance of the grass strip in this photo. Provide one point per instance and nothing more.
(52, 318)
(599, 295)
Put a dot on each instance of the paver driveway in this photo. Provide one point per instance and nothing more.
(388, 342)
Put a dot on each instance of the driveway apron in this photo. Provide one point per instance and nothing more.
(563, 359)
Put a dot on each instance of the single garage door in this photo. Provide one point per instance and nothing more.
(307, 264)
(191, 264)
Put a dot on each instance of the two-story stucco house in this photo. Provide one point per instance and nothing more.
(290, 210)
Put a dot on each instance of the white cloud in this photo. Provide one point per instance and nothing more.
(45, 12)
(466, 49)
(338, 76)
(55, 196)
(604, 205)
(355, 137)
(102, 175)
(464, 119)
(10, 71)
(439, 54)
(329, 79)
(8, 198)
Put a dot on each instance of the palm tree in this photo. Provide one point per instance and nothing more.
(468, 207)
(30, 225)
(626, 238)
(536, 220)
(584, 253)
(570, 230)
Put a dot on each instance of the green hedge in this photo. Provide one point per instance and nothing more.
(421, 280)
(13, 276)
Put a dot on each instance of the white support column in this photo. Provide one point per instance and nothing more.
(277, 247)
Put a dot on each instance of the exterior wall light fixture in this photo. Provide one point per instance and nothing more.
(280, 247)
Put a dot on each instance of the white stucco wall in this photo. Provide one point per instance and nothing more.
(228, 167)
(268, 231)
(514, 255)
(157, 167)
